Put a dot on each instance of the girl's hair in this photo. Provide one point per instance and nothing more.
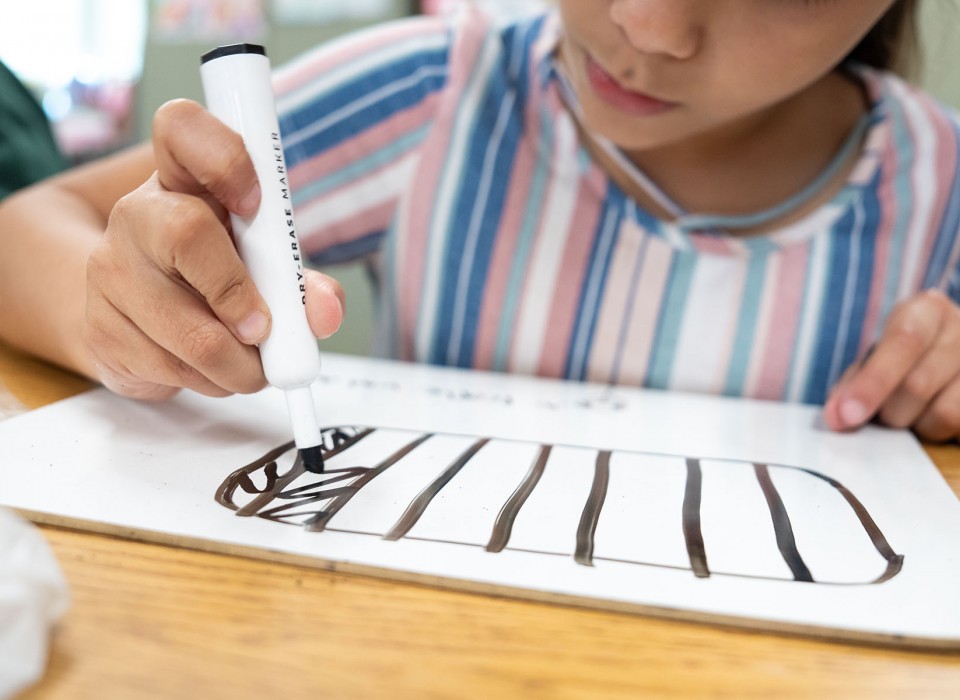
(892, 43)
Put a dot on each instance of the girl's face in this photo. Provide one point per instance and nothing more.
(652, 73)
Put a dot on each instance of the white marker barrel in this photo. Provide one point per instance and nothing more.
(238, 91)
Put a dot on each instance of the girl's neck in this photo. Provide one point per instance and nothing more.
(758, 162)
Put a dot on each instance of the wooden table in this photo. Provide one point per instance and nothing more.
(151, 621)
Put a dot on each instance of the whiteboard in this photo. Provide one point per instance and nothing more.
(737, 512)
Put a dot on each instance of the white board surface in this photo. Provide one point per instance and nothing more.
(740, 512)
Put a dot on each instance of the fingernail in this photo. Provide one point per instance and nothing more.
(853, 412)
(343, 312)
(339, 322)
(252, 328)
(250, 201)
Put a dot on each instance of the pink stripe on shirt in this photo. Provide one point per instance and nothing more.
(329, 56)
(434, 157)
(781, 337)
(363, 143)
(890, 208)
(570, 280)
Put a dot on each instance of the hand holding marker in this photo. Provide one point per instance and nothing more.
(237, 89)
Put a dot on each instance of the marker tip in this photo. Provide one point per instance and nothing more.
(312, 458)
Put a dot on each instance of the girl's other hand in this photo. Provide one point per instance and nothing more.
(169, 302)
(911, 379)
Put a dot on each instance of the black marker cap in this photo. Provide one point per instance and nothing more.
(231, 50)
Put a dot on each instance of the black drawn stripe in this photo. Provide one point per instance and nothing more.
(782, 528)
(319, 521)
(691, 519)
(894, 560)
(336, 494)
(295, 471)
(331, 476)
(419, 504)
(591, 510)
(241, 477)
(274, 483)
(285, 512)
(503, 526)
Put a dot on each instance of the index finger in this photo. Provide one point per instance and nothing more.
(196, 248)
(198, 154)
(910, 333)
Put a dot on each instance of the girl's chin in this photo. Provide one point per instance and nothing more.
(632, 134)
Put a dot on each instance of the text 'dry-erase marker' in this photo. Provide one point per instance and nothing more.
(238, 91)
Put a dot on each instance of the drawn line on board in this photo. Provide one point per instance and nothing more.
(612, 560)
(276, 483)
(894, 560)
(319, 522)
(503, 526)
(591, 510)
(419, 504)
(692, 534)
(315, 494)
(338, 440)
(782, 528)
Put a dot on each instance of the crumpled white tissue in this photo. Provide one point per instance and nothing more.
(33, 596)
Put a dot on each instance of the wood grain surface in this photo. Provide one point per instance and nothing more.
(152, 621)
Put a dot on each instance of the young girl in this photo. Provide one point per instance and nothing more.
(732, 197)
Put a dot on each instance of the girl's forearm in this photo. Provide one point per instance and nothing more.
(46, 235)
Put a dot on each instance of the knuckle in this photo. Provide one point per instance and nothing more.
(919, 385)
(187, 377)
(100, 263)
(120, 380)
(215, 175)
(181, 373)
(249, 377)
(190, 219)
(936, 297)
(124, 211)
(234, 154)
(171, 115)
(909, 338)
(207, 344)
(893, 418)
(229, 290)
(947, 415)
(191, 216)
(252, 384)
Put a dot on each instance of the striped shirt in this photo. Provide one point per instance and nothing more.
(442, 150)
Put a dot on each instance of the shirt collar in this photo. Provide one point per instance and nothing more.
(545, 47)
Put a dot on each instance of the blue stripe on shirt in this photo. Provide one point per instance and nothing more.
(947, 233)
(591, 292)
(831, 310)
(361, 104)
(351, 250)
(479, 208)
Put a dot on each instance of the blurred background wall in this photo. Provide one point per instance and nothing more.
(102, 67)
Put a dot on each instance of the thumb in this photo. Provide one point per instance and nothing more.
(325, 303)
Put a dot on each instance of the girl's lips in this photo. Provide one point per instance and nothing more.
(611, 92)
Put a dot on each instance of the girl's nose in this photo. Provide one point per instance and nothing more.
(669, 27)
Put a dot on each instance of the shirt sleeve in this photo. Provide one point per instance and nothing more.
(28, 152)
(353, 114)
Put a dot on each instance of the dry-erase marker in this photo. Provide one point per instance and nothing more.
(237, 88)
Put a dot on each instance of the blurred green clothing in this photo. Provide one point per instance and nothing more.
(28, 151)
